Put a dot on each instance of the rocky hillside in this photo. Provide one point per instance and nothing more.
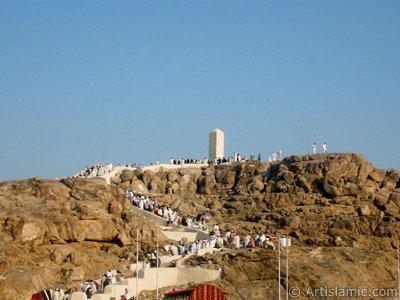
(56, 233)
(321, 200)
(341, 212)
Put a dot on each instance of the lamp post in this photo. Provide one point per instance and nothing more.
(287, 268)
(137, 262)
(157, 269)
(279, 267)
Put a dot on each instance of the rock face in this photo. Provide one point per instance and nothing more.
(56, 232)
(340, 211)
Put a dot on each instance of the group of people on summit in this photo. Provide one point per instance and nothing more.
(324, 148)
(95, 171)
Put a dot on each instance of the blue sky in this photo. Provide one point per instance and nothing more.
(135, 81)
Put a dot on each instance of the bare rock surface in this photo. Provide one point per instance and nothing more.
(56, 233)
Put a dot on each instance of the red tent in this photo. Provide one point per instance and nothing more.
(201, 292)
(37, 296)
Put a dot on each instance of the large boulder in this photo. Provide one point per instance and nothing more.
(364, 171)
(99, 230)
(157, 185)
(302, 182)
(391, 180)
(207, 182)
(257, 183)
(377, 175)
(148, 176)
(139, 187)
(172, 176)
(364, 211)
(192, 175)
(126, 175)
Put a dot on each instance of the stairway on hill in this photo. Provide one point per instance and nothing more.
(153, 278)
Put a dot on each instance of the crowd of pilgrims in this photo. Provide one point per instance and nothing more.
(95, 171)
(230, 239)
(237, 157)
(182, 161)
(89, 287)
(101, 169)
(111, 277)
(168, 213)
(216, 240)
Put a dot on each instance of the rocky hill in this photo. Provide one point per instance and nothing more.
(341, 212)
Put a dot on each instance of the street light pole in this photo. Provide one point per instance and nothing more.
(137, 262)
(279, 267)
(398, 271)
(157, 269)
(287, 269)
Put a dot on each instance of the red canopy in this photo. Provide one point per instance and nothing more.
(201, 292)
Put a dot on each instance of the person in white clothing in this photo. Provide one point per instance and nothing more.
(212, 242)
(274, 156)
(127, 294)
(262, 239)
(141, 203)
(193, 247)
(314, 148)
(236, 241)
(56, 295)
(324, 148)
(216, 230)
(246, 240)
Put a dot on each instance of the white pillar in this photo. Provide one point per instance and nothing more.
(216, 144)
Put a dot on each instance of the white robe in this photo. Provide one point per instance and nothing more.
(236, 241)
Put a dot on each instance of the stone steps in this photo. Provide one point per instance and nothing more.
(175, 276)
(172, 232)
(165, 277)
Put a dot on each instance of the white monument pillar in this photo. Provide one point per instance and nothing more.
(216, 144)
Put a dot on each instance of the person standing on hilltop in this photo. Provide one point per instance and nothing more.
(324, 148)
(314, 148)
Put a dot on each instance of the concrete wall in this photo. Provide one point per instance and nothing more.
(116, 290)
(190, 236)
(78, 296)
(166, 277)
(172, 232)
(103, 297)
(157, 220)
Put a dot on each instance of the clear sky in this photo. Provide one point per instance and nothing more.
(135, 81)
